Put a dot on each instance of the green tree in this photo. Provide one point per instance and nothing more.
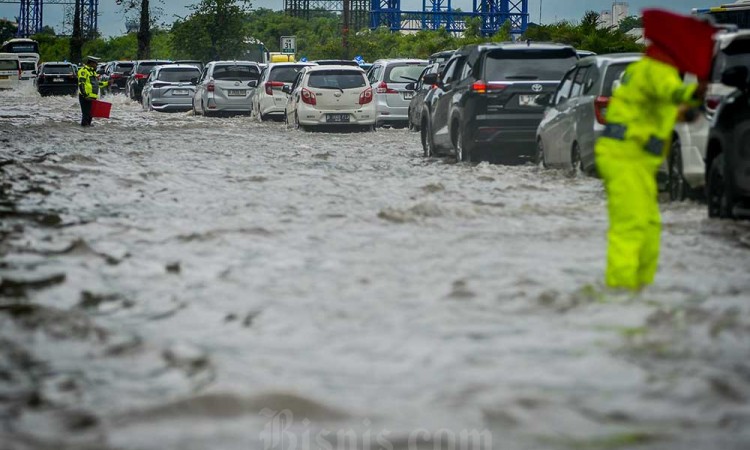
(214, 30)
(630, 23)
(147, 14)
(7, 30)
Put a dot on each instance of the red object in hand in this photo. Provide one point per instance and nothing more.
(100, 109)
(683, 41)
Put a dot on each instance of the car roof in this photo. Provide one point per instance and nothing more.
(519, 46)
(235, 62)
(725, 39)
(316, 68)
(57, 63)
(288, 64)
(9, 55)
(401, 60)
(177, 66)
(610, 58)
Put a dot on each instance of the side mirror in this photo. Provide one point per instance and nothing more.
(736, 77)
(430, 78)
(33, 72)
(252, 83)
(286, 89)
(411, 87)
(194, 81)
(544, 99)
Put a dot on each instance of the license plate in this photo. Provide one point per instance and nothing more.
(3, 77)
(527, 100)
(337, 118)
(236, 92)
(180, 92)
(408, 95)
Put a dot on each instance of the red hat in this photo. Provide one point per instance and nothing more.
(683, 41)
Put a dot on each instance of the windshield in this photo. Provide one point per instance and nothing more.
(178, 75)
(28, 65)
(736, 54)
(285, 74)
(337, 79)
(614, 71)
(58, 70)
(510, 65)
(124, 68)
(404, 73)
(146, 67)
(236, 73)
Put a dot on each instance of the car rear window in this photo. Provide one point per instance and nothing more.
(28, 65)
(236, 73)
(736, 54)
(8, 64)
(124, 68)
(178, 75)
(529, 64)
(337, 79)
(144, 68)
(58, 70)
(614, 72)
(285, 74)
(404, 73)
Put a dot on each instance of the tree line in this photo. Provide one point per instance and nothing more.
(223, 29)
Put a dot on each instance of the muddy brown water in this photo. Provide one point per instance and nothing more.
(178, 282)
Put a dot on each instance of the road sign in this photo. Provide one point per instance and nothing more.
(289, 44)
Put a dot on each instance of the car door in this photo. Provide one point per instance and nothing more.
(440, 104)
(551, 125)
(200, 88)
(585, 115)
(293, 97)
(568, 116)
(147, 87)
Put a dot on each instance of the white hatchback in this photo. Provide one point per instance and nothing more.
(10, 70)
(269, 100)
(330, 95)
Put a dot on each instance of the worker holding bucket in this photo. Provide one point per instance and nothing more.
(88, 92)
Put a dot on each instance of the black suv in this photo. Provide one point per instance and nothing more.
(484, 106)
(728, 152)
(116, 73)
(137, 78)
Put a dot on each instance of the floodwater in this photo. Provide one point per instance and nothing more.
(180, 282)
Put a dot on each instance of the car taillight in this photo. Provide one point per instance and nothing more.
(115, 76)
(384, 89)
(210, 86)
(19, 74)
(308, 97)
(712, 102)
(600, 109)
(273, 84)
(366, 96)
(140, 76)
(482, 87)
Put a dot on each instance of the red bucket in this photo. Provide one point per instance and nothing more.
(100, 109)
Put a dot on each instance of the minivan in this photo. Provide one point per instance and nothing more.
(10, 70)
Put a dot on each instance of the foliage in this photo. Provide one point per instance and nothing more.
(7, 30)
(630, 23)
(214, 30)
(586, 35)
(52, 48)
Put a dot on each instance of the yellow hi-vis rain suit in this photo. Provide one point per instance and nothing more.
(641, 116)
(88, 83)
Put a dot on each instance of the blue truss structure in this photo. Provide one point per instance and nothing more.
(438, 14)
(31, 15)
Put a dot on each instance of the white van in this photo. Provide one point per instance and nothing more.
(29, 63)
(10, 70)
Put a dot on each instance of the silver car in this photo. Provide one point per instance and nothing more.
(226, 86)
(388, 78)
(170, 88)
(575, 114)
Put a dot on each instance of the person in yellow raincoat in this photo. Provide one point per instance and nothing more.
(641, 115)
(88, 88)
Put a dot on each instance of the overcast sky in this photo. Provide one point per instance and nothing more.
(112, 21)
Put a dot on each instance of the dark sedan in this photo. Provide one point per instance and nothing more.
(56, 78)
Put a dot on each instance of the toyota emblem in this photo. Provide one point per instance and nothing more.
(537, 88)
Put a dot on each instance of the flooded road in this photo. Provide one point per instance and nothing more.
(180, 282)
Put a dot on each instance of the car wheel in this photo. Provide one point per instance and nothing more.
(412, 127)
(462, 153)
(718, 193)
(195, 110)
(203, 110)
(676, 184)
(428, 145)
(297, 125)
(575, 158)
(539, 157)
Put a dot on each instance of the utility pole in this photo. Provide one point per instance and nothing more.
(347, 20)
(76, 40)
(144, 32)
(540, 11)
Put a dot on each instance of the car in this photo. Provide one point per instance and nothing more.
(29, 63)
(226, 86)
(336, 62)
(484, 105)
(191, 62)
(330, 95)
(10, 70)
(441, 57)
(268, 99)
(574, 117)
(727, 166)
(421, 90)
(116, 73)
(389, 78)
(56, 78)
(170, 88)
(137, 77)
(684, 169)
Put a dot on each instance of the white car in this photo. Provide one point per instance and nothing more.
(169, 88)
(226, 86)
(10, 70)
(269, 100)
(330, 95)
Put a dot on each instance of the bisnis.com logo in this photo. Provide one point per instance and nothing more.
(282, 433)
